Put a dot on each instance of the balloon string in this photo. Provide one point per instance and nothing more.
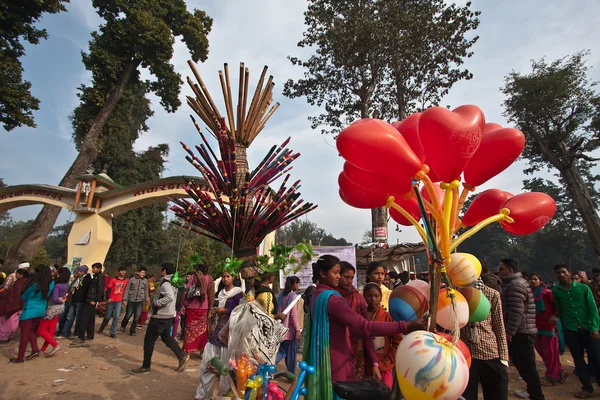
(502, 216)
(391, 203)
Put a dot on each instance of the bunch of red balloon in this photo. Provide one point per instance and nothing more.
(438, 145)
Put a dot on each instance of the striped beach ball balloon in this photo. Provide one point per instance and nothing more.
(479, 305)
(429, 367)
(464, 268)
(407, 303)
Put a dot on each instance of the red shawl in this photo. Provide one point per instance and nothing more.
(10, 299)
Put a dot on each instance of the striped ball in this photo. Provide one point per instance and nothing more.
(464, 269)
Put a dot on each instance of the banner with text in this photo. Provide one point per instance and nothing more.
(344, 253)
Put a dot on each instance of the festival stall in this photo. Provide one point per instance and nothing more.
(423, 169)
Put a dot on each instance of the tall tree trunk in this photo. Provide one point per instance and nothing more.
(400, 99)
(581, 195)
(41, 227)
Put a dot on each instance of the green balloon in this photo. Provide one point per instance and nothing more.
(479, 306)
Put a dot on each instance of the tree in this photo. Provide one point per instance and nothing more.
(424, 44)
(558, 109)
(367, 237)
(305, 230)
(18, 20)
(379, 58)
(136, 33)
(4, 217)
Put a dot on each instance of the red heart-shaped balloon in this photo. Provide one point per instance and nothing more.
(386, 184)
(530, 211)
(499, 148)
(484, 205)
(410, 205)
(357, 196)
(376, 146)
(450, 138)
(409, 129)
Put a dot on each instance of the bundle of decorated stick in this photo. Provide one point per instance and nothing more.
(254, 209)
(250, 123)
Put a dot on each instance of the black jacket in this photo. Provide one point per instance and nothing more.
(80, 292)
(95, 292)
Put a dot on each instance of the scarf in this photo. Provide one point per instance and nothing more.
(225, 295)
(352, 296)
(266, 289)
(538, 295)
(316, 349)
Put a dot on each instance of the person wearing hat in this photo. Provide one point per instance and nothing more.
(72, 309)
(12, 278)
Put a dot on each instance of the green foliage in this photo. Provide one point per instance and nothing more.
(41, 257)
(389, 56)
(558, 109)
(281, 257)
(230, 265)
(18, 20)
(306, 231)
(144, 32)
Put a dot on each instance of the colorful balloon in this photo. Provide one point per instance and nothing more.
(429, 367)
(410, 205)
(499, 148)
(460, 346)
(376, 146)
(384, 183)
(357, 196)
(530, 211)
(445, 316)
(407, 303)
(464, 269)
(479, 305)
(409, 129)
(421, 286)
(484, 205)
(450, 138)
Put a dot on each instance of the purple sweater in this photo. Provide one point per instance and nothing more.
(60, 290)
(342, 321)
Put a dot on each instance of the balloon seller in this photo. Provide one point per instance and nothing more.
(331, 317)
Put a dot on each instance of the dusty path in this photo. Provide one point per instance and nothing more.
(102, 372)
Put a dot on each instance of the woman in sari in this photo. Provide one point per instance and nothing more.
(196, 305)
(11, 306)
(331, 317)
(357, 303)
(228, 298)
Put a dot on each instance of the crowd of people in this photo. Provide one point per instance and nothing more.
(526, 315)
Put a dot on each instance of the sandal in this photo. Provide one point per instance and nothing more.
(563, 376)
(32, 356)
(584, 395)
(547, 382)
(15, 361)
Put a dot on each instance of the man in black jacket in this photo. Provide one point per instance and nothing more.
(92, 288)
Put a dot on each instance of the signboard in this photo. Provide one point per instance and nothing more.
(76, 263)
(380, 233)
(344, 253)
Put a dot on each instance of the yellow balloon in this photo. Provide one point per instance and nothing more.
(464, 269)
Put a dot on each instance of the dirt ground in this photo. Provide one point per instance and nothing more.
(101, 371)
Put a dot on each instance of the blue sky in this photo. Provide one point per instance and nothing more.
(265, 32)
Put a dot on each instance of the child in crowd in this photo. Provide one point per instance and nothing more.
(385, 346)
